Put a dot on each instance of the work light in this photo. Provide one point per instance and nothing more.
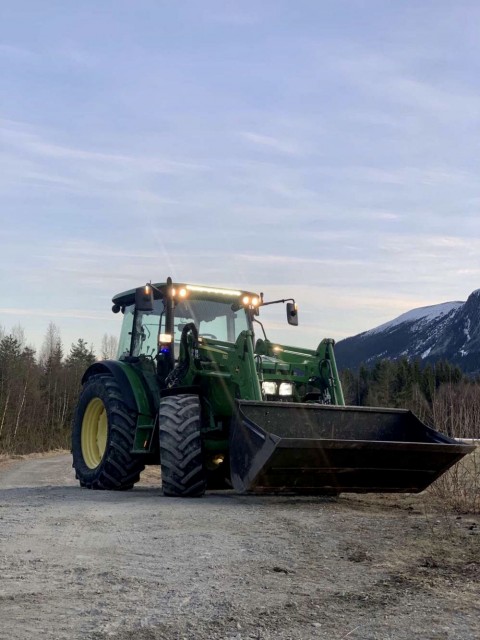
(285, 389)
(269, 388)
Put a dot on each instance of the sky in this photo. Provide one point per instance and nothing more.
(326, 150)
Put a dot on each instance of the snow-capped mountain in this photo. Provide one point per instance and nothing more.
(446, 331)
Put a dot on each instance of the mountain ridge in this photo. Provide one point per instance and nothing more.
(445, 331)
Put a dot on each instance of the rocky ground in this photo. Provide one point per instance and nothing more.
(77, 564)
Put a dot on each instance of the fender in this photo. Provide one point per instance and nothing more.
(135, 396)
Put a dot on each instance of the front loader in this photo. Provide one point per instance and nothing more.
(194, 390)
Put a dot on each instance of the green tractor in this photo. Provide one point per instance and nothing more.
(194, 391)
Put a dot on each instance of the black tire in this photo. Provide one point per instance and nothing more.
(181, 455)
(116, 468)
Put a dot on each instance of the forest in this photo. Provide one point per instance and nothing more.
(441, 394)
(38, 392)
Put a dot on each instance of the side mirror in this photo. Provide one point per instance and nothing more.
(144, 298)
(292, 313)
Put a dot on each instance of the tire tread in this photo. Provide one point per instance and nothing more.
(119, 469)
(181, 452)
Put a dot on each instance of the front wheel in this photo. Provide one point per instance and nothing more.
(181, 455)
(102, 437)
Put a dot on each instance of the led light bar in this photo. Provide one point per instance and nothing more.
(222, 292)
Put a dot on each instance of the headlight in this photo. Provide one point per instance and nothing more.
(269, 388)
(285, 389)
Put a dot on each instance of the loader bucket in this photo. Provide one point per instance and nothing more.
(325, 449)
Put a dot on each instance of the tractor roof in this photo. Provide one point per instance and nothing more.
(197, 291)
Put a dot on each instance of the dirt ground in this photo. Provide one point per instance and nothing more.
(79, 564)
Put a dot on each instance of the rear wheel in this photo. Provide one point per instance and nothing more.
(102, 437)
(181, 455)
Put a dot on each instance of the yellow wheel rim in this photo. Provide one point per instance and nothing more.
(94, 433)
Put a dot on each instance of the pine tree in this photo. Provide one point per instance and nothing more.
(80, 356)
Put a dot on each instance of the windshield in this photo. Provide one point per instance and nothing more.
(212, 319)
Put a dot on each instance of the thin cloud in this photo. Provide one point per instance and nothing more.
(288, 261)
(23, 138)
(386, 77)
(271, 143)
(79, 314)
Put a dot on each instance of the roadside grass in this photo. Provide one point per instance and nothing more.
(458, 489)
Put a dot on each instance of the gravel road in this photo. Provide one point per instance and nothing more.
(79, 564)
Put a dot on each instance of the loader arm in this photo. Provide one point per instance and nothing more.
(313, 372)
(245, 368)
(231, 365)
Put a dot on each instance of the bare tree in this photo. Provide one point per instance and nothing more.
(109, 347)
(18, 332)
(52, 345)
(456, 409)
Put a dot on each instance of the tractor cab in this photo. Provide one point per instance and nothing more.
(153, 322)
